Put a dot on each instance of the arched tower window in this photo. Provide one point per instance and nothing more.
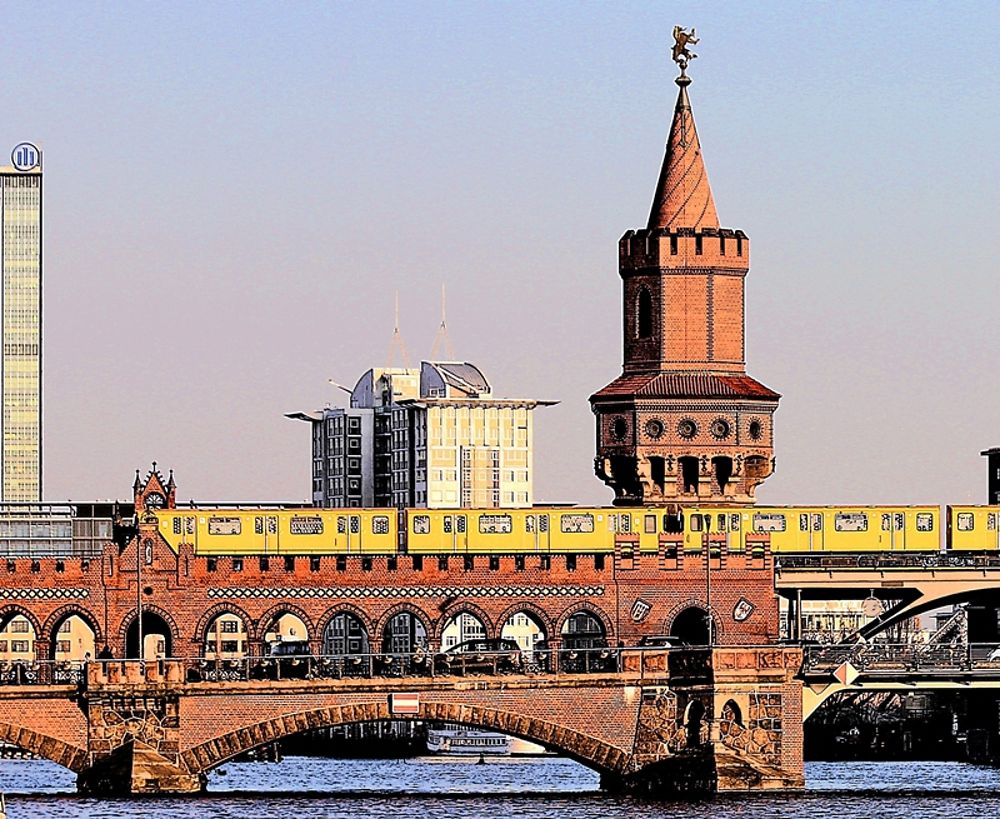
(644, 314)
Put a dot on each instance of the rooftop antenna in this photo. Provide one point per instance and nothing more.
(397, 345)
(441, 338)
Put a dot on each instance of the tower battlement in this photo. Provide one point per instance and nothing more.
(718, 248)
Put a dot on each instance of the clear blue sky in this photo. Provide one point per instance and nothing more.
(233, 192)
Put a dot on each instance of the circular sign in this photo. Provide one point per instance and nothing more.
(25, 157)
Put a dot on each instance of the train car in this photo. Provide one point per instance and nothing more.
(281, 531)
(726, 526)
(849, 528)
(974, 528)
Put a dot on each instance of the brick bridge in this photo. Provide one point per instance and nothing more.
(697, 720)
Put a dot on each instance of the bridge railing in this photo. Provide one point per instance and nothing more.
(888, 659)
(839, 561)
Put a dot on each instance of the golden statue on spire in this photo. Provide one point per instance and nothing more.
(682, 39)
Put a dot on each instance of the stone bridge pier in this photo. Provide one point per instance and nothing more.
(668, 723)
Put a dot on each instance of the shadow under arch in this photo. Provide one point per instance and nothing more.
(585, 749)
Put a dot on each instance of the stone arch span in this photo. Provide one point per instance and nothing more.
(47, 747)
(588, 750)
(453, 611)
(61, 615)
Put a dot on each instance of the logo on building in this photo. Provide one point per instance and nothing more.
(742, 610)
(640, 610)
(25, 157)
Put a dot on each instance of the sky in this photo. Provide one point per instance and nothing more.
(235, 192)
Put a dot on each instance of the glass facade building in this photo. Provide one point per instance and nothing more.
(21, 361)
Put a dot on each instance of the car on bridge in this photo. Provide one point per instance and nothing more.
(480, 656)
(285, 659)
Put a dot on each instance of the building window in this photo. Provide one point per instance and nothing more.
(644, 314)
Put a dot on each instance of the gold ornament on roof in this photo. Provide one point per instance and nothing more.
(681, 55)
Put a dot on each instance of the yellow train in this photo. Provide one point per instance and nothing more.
(792, 529)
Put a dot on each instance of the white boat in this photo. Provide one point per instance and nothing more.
(461, 742)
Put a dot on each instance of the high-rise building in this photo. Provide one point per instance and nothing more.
(21, 359)
(430, 437)
(684, 422)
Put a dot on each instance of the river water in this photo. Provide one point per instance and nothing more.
(547, 788)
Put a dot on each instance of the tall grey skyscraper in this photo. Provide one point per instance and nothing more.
(21, 359)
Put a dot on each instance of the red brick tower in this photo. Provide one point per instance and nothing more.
(684, 422)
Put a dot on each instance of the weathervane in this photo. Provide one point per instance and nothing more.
(681, 55)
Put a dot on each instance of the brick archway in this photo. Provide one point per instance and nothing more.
(12, 610)
(693, 603)
(537, 613)
(61, 615)
(589, 608)
(269, 617)
(583, 748)
(345, 608)
(429, 624)
(199, 638)
(462, 607)
(129, 619)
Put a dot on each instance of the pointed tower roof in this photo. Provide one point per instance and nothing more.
(683, 196)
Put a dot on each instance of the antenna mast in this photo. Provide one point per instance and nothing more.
(397, 345)
(442, 338)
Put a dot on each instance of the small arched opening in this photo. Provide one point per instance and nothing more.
(694, 719)
(345, 634)
(525, 629)
(583, 630)
(284, 628)
(461, 628)
(157, 638)
(73, 640)
(17, 640)
(226, 638)
(689, 474)
(723, 468)
(691, 626)
(403, 634)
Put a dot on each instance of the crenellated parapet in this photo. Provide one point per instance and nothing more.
(683, 251)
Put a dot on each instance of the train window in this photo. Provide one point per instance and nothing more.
(851, 522)
(341, 525)
(894, 522)
(495, 525)
(804, 522)
(543, 523)
(769, 522)
(177, 526)
(576, 523)
(311, 525)
(224, 526)
(991, 521)
(460, 524)
(272, 525)
(529, 523)
(355, 525)
(925, 522)
(734, 523)
(421, 524)
(672, 524)
(722, 523)
(448, 526)
(380, 525)
(696, 523)
(258, 525)
(650, 523)
(817, 522)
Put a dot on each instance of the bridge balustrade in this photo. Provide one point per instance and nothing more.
(888, 659)
(887, 560)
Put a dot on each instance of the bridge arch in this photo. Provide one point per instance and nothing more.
(535, 612)
(47, 747)
(583, 748)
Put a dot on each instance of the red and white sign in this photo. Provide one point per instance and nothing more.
(846, 673)
(404, 703)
